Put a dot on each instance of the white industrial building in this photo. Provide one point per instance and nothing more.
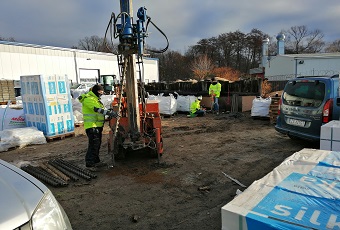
(20, 59)
(283, 67)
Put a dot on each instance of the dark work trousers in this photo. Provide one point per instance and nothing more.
(94, 136)
(200, 113)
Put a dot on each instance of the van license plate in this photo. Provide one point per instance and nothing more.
(296, 122)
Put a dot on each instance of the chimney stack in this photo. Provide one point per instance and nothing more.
(280, 44)
(265, 52)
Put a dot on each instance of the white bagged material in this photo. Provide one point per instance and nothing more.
(184, 102)
(77, 111)
(78, 117)
(11, 118)
(107, 100)
(260, 107)
(20, 137)
(167, 104)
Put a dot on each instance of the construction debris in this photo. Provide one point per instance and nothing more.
(236, 181)
(58, 172)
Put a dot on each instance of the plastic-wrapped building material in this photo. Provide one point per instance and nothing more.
(303, 192)
(184, 102)
(107, 100)
(77, 111)
(47, 104)
(20, 137)
(167, 104)
(260, 107)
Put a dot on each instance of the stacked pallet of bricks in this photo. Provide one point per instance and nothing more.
(7, 92)
(273, 109)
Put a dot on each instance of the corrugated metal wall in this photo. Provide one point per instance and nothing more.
(19, 59)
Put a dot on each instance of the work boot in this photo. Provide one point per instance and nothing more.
(90, 165)
(100, 164)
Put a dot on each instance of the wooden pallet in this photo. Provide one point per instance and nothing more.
(274, 109)
(60, 137)
(6, 102)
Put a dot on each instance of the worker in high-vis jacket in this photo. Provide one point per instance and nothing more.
(94, 113)
(196, 108)
(214, 93)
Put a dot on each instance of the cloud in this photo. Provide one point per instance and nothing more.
(64, 23)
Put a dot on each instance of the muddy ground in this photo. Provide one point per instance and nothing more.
(186, 190)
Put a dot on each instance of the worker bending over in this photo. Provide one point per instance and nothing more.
(94, 117)
(196, 109)
(214, 93)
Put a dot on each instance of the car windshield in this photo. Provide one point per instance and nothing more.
(304, 93)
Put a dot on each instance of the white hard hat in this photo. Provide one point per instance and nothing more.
(199, 98)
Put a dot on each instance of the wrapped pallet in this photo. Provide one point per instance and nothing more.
(47, 104)
(7, 92)
(303, 192)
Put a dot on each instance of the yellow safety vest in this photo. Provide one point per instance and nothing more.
(196, 105)
(216, 89)
(91, 118)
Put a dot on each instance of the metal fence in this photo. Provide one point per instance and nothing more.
(243, 87)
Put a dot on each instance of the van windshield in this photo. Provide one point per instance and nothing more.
(304, 93)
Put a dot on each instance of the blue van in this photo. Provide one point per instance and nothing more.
(306, 104)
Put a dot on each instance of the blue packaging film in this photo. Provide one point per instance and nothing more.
(40, 101)
(302, 201)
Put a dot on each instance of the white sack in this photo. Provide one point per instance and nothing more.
(20, 137)
(107, 100)
(260, 107)
(167, 104)
(11, 118)
(184, 103)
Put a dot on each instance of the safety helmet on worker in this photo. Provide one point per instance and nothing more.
(199, 98)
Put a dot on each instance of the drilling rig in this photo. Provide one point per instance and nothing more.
(139, 124)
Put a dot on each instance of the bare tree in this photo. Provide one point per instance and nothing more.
(333, 47)
(172, 65)
(7, 39)
(95, 43)
(302, 40)
(202, 66)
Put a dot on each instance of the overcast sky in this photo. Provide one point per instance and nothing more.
(63, 23)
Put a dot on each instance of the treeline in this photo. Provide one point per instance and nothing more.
(239, 51)
(229, 55)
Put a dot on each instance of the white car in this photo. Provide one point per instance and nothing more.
(26, 203)
(78, 89)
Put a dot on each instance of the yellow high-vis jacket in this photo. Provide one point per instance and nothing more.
(91, 118)
(216, 89)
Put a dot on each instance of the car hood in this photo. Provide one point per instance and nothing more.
(20, 193)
